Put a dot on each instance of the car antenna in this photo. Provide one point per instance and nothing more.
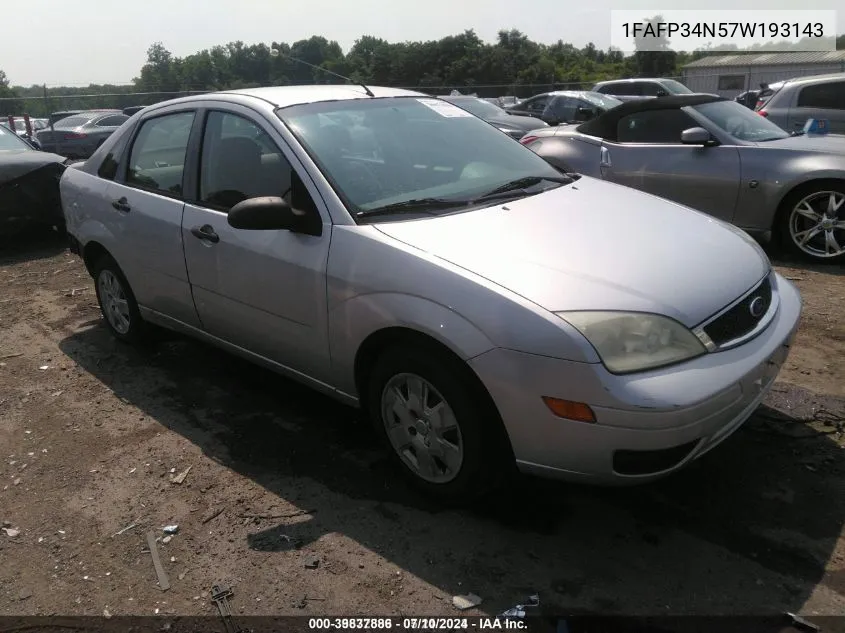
(326, 70)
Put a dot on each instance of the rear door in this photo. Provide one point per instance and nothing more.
(264, 291)
(647, 154)
(820, 101)
(145, 205)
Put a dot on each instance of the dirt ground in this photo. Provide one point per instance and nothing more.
(92, 434)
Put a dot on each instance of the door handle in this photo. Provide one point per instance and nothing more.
(122, 205)
(605, 157)
(205, 232)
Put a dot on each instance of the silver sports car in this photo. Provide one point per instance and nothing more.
(719, 157)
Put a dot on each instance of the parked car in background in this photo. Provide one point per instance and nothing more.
(634, 89)
(29, 185)
(789, 104)
(714, 155)
(513, 126)
(565, 106)
(77, 136)
(132, 110)
(62, 114)
(748, 98)
(482, 308)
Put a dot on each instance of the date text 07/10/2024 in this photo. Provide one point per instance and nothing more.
(415, 624)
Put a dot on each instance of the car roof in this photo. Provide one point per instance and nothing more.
(812, 79)
(631, 79)
(604, 125)
(284, 96)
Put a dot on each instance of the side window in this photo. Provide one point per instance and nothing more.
(563, 108)
(827, 95)
(624, 88)
(240, 161)
(538, 104)
(654, 126)
(108, 168)
(649, 89)
(112, 121)
(157, 158)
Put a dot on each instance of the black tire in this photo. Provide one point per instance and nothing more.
(787, 215)
(488, 461)
(137, 331)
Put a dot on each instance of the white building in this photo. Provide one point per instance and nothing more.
(728, 75)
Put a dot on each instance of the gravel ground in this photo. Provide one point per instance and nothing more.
(289, 501)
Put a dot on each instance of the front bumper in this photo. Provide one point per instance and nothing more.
(648, 425)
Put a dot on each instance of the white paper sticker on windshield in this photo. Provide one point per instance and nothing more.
(444, 108)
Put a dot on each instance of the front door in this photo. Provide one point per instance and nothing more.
(264, 291)
(146, 201)
(647, 154)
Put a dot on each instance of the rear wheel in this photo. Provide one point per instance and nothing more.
(440, 426)
(117, 302)
(813, 222)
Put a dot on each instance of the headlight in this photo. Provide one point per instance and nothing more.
(635, 341)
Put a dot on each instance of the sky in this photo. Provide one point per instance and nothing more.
(105, 41)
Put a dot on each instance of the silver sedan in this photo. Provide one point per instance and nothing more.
(401, 255)
(719, 157)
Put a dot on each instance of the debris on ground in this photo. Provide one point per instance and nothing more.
(214, 514)
(163, 582)
(11, 532)
(178, 479)
(24, 594)
(106, 613)
(467, 601)
(519, 610)
(170, 529)
(167, 539)
(312, 561)
(220, 595)
(134, 524)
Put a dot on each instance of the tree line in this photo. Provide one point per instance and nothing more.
(512, 65)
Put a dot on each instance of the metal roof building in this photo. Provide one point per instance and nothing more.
(730, 74)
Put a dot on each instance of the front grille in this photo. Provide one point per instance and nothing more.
(743, 317)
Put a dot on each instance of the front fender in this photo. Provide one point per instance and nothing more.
(352, 321)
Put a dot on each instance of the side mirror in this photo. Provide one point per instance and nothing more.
(697, 136)
(272, 214)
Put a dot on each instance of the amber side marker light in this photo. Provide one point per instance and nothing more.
(570, 410)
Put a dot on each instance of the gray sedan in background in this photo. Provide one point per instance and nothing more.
(78, 135)
(513, 125)
(484, 309)
(719, 157)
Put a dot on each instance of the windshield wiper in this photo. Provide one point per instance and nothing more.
(416, 205)
(520, 184)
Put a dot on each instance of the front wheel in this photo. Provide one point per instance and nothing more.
(813, 223)
(439, 425)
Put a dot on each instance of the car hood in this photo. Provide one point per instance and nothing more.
(827, 143)
(594, 245)
(516, 122)
(16, 163)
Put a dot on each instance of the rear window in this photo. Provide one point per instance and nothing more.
(73, 121)
(830, 95)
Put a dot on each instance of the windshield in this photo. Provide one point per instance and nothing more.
(605, 102)
(10, 141)
(740, 122)
(379, 152)
(479, 107)
(674, 87)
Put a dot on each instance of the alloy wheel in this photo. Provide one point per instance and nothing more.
(817, 224)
